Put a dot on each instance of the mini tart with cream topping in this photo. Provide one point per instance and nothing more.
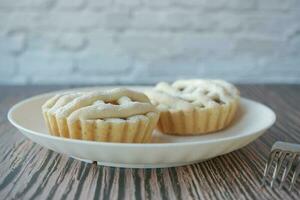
(117, 115)
(194, 107)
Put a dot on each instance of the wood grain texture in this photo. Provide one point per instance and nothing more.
(29, 171)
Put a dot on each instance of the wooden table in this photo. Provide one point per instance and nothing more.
(29, 171)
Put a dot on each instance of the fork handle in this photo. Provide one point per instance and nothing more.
(286, 146)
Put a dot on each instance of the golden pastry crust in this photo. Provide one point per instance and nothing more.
(192, 107)
(118, 115)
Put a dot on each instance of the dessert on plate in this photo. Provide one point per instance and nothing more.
(193, 107)
(117, 115)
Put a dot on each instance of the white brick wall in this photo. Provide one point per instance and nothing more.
(144, 41)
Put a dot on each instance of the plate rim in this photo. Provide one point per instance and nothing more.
(148, 145)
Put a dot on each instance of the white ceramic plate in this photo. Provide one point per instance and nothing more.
(166, 151)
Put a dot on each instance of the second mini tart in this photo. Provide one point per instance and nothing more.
(192, 107)
(117, 115)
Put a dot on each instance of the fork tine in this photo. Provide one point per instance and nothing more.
(287, 170)
(278, 164)
(295, 175)
(268, 166)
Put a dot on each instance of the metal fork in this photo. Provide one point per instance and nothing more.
(283, 151)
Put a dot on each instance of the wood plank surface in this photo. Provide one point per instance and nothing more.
(29, 171)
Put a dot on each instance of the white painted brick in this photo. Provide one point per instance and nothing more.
(139, 75)
(181, 19)
(188, 4)
(7, 66)
(215, 4)
(71, 4)
(205, 45)
(294, 46)
(157, 3)
(69, 20)
(26, 4)
(103, 64)
(101, 42)
(127, 3)
(135, 75)
(281, 69)
(205, 23)
(280, 65)
(242, 5)
(276, 5)
(102, 56)
(44, 63)
(230, 66)
(268, 25)
(13, 41)
(52, 21)
(71, 41)
(96, 4)
(155, 46)
(245, 69)
(146, 46)
(117, 19)
(41, 41)
(12, 20)
(257, 47)
(188, 20)
(228, 22)
(103, 59)
(14, 80)
(100, 38)
(143, 41)
(147, 19)
(174, 66)
(75, 79)
(295, 6)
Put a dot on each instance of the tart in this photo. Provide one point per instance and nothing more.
(192, 107)
(117, 115)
